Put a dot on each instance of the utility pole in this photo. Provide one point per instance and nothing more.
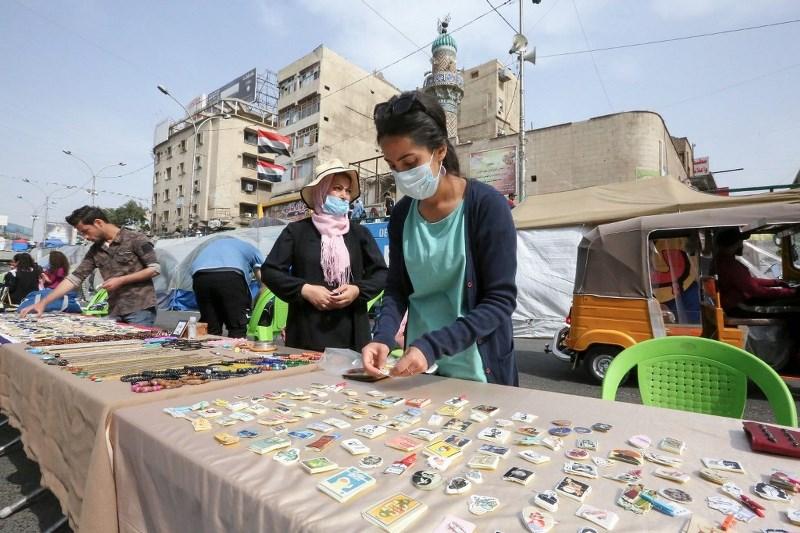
(521, 151)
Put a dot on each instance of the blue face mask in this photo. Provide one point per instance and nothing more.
(418, 182)
(335, 206)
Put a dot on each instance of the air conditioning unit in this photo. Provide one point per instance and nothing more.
(249, 187)
(247, 215)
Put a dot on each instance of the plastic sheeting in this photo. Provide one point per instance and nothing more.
(546, 260)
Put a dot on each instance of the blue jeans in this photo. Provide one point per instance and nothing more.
(142, 317)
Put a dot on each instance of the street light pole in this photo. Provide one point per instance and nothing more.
(194, 153)
(92, 172)
(521, 152)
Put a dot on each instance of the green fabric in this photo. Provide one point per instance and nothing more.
(436, 259)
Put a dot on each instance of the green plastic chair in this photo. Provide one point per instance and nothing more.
(699, 375)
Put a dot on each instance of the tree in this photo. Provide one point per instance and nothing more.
(128, 214)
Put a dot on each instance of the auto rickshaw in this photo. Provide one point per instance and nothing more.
(655, 276)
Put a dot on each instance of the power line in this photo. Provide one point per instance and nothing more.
(150, 164)
(543, 16)
(671, 39)
(594, 63)
(515, 30)
(395, 28)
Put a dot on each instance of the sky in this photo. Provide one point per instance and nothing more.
(82, 76)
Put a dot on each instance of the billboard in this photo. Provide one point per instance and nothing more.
(700, 165)
(497, 167)
(243, 88)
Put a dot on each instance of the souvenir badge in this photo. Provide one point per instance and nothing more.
(426, 479)
(442, 449)
(580, 469)
(587, 530)
(601, 427)
(727, 506)
(258, 409)
(200, 405)
(525, 418)
(379, 417)
(586, 444)
(547, 500)
(287, 457)
(279, 429)
(632, 476)
(318, 465)
(490, 449)
(561, 422)
(493, 434)
(723, 464)
(418, 402)
(793, 515)
(519, 475)
(559, 431)
(177, 412)
(477, 416)
(283, 403)
(313, 410)
(457, 426)
(537, 521)
(350, 393)
(581, 429)
(201, 424)
(481, 461)
(457, 401)
(626, 456)
(474, 476)
(370, 461)
(664, 506)
(225, 421)
(400, 466)
(221, 403)
(369, 431)
(529, 441)
(247, 434)
(448, 410)
(301, 434)
(321, 443)
(319, 386)
(630, 499)
(661, 459)
(576, 454)
(676, 495)
(457, 485)
(601, 517)
(602, 462)
(552, 443)
(339, 406)
(669, 444)
(489, 410)
(337, 423)
(573, 489)
(404, 443)
(672, 474)
(533, 457)
(458, 441)
(277, 395)
(713, 476)
(640, 441)
(480, 505)
(530, 431)
(375, 394)
(435, 420)
(503, 423)
(210, 413)
(770, 492)
(785, 481)
(320, 427)
(451, 524)
(301, 414)
(407, 418)
(354, 446)
(268, 444)
(438, 462)
(226, 439)
(428, 435)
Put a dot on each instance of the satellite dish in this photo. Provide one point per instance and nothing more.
(530, 57)
(519, 44)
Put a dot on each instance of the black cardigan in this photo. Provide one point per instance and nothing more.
(295, 260)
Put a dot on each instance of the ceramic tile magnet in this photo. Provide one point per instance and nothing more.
(547, 500)
(537, 521)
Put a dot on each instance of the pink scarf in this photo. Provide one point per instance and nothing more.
(335, 259)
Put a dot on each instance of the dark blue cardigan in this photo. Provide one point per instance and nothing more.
(490, 287)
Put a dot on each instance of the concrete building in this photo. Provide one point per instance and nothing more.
(490, 107)
(607, 149)
(226, 191)
(325, 107)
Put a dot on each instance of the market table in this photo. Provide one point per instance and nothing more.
(171, 478)
(63, 422)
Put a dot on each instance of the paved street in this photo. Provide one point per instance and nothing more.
(538, 371)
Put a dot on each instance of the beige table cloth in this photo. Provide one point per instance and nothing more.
(63, 421)
(170, 478)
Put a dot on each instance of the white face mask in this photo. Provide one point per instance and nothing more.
(418, 182)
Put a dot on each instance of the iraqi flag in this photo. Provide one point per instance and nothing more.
(270, 172)
(273, 143)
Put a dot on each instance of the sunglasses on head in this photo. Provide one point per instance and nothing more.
(397, 106)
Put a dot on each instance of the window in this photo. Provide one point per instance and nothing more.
(180, 190)
(248, 187)
(303, 169)
(169, 152)
(166, 195)
(197, 164)
(155, 178)
(194, 208)
(178, 212)
(288, 116)
(307, 76)
(287, 86)
(181, 171)
(155, 198)
(473, 75)
(500, 105)
(249, 161)
(308, 107)
(169, 173)
(158, 157)
(182, 146)
(200, 139)
(250, 137)
(306, 137)
(165, 216)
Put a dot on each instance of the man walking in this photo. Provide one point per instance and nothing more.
(221, 275)
(127, 261)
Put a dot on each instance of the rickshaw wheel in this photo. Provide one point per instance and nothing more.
(598, 358)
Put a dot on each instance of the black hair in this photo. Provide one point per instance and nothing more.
(25, 262)
(728, 237)
(86, 215)
(426, 125)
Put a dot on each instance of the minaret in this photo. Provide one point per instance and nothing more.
(444, 82)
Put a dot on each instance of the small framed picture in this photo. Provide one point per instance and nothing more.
(180, 328)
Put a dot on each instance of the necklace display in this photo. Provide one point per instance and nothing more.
(60, 329)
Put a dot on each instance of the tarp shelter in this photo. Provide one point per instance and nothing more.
(550, 227)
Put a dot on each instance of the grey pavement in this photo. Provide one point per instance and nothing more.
(538, 370)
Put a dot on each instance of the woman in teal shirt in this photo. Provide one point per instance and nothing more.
(452, 251)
